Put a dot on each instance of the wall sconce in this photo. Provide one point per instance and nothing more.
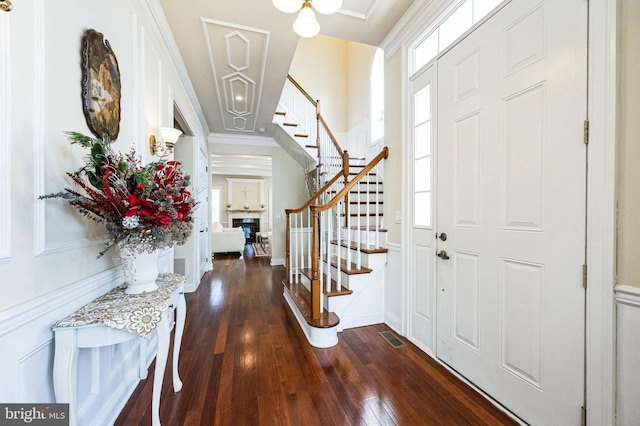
(169, 136)
(5, 5)
(306, 25)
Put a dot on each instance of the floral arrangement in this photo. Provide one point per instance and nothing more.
(144, 208)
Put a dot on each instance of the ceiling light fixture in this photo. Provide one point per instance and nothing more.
(306, 25)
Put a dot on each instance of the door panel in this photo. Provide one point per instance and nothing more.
(511, 199)
(421, 325)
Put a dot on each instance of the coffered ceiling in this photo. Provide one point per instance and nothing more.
(237, 53)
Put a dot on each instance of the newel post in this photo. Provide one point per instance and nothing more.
(315, 265)
(287, 259)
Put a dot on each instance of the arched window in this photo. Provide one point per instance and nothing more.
(376, 89)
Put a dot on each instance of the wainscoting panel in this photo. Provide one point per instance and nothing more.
(5, 133)
(394, 289)
(106, 376)
(53, 155)
(628, 348)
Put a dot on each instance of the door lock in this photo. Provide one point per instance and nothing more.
(443, 236)
(443, 255)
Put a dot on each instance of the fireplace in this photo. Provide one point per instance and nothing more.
(250, 226)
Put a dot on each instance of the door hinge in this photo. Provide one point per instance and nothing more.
(586, 132)
(583, 420)
(584, 276)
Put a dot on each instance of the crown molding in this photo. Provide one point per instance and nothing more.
(166, 35)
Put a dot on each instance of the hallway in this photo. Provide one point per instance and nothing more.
(244, 361)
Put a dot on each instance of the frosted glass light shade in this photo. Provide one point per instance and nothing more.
(170, 135)
(287, 6)
(326, 7)
(306, 24)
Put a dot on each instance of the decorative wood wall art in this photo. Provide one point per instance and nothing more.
(100, 86)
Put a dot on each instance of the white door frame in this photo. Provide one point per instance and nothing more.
(601, 195)
(601, 190)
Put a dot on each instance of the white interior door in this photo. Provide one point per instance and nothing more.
(511, 198)
(421, 326)
(203, 252)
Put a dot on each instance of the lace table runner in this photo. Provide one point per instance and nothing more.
(136, 313)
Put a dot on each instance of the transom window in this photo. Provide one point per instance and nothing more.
(453, 23)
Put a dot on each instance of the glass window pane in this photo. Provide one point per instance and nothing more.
(422, 209)
(482, 7)
(422, 105)
(422, 174)
(422, 140)
(377, 96)
(455, 25)
(426, 50)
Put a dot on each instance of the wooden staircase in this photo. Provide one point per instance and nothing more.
(336, 245)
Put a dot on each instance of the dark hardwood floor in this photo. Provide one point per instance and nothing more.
(244, 361)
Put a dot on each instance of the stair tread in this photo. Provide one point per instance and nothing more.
(281, 113)
(370, 249)
(351, 269)
(365, 228)
(371, 214)
(290, 124)
(307, 272)
(302, 299)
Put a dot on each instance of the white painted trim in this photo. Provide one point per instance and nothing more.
(166, 35)
(278, 262)
(231, 139)
(628, 295)
(405, 228)
(600, 257)
(5, 134)
(364, 16)
(71, 295)
(413, 23)
(317, 337)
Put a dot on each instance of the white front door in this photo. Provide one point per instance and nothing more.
(511, 199)
(421, 325)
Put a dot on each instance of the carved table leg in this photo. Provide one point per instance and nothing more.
(181, 313)
(65, 371)
(162, 332)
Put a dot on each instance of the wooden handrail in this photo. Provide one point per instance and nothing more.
(304, 92)
(316, 195)
(330, 133)
(345, 190)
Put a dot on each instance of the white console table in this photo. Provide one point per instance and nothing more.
(115, 318)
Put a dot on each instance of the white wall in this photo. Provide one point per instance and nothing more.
(48, 252)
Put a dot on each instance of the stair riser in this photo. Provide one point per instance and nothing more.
(368, 236)
(368, 260)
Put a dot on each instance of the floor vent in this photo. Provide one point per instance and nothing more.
(393, 340)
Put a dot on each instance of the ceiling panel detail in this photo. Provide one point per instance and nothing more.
(237, 55)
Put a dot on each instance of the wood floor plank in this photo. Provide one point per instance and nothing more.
(245, 361)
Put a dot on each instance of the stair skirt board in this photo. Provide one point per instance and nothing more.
(317, 337)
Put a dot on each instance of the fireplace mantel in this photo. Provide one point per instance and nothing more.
(243, 211)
